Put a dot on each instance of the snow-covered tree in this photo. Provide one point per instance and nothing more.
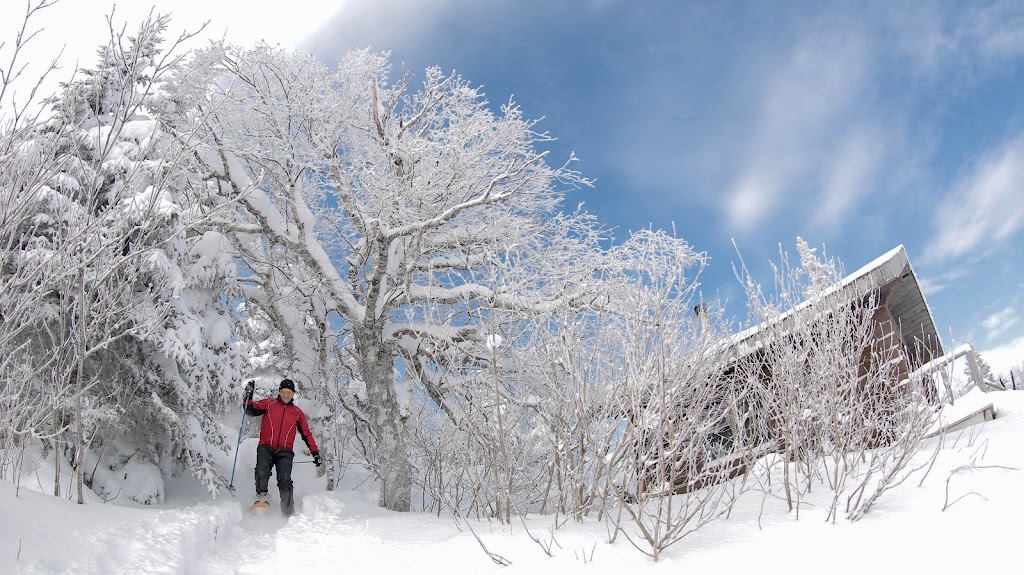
(130, 330)
(372, 212)
(822, 384)
(984, 370)
(27, 160)
(820, 275)
(1017, 376)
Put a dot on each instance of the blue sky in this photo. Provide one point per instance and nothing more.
(855, 125)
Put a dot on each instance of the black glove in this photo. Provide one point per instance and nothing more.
(317, 459)
(249, 389)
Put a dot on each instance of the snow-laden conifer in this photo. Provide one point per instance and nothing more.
(129, 330)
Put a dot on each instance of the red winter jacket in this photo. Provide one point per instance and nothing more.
(280, 422)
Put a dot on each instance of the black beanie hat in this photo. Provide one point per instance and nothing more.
(287, 384)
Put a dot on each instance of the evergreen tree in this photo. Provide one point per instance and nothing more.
(134, 331)
(984, 368)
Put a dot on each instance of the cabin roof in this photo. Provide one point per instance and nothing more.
(895, 281)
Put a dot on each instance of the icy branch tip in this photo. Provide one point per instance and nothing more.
(493, 341)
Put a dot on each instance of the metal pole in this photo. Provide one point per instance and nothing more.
(231, 485)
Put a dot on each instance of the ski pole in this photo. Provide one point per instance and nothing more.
(231, 485)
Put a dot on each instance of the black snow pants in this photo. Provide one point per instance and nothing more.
(266, 458)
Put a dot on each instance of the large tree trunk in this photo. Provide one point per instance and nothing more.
(392, 465)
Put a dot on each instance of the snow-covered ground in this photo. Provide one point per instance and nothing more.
(978, 473)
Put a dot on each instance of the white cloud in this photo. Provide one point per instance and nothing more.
(384, 24)
(852, 171)
(815, 118)
(1005, 357)
(984, 208)
(935, 283)
(997, 30)
(803, 104)
(752, 198)
(968, 36)
(1000, 322)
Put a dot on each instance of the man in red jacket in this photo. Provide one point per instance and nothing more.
(282, 419)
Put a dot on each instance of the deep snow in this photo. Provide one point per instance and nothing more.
(981, 469)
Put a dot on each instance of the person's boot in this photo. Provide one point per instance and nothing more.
(261, 503)
(287, 503)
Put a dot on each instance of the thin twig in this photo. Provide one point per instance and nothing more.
(494, 556)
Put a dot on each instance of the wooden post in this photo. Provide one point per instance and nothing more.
(972, 362)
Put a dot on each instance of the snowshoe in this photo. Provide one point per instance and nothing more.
(261, 503)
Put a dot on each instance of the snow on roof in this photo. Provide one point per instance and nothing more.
(880, 271)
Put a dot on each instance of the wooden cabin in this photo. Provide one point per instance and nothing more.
(904, 334)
